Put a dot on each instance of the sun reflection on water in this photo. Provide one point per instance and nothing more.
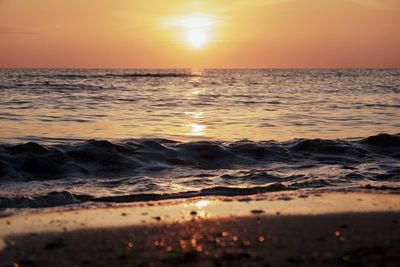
(195, 115)
(196, 130)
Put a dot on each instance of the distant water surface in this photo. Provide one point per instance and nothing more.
(58, 105)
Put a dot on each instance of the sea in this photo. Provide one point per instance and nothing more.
(84, 136)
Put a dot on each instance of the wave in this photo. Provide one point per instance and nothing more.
(35, 175)
(54, 199)
(33, 161)
(77, 76)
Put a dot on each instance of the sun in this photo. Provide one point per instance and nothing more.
(196, 38)
(196, 28)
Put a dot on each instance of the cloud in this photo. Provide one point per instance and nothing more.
(16, 33)
(252, 3)
(237, 6)
(197, 21)
(375, 4)
(269, 2)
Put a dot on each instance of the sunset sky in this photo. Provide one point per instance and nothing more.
(200, 34)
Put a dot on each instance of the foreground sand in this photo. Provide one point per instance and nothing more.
(335, 229)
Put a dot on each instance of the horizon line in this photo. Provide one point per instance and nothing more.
(206, 68)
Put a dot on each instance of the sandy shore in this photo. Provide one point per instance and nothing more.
(335, 229)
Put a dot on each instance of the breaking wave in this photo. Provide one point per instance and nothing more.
(155, 169)
(77, 76)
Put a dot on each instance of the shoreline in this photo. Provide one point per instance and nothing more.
(276, 229)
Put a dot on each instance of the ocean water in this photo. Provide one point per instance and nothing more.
(74, 136)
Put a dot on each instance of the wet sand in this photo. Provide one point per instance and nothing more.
(336, 229)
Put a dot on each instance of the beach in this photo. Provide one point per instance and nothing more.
(319, 229)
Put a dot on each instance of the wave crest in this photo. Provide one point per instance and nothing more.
(32, 161)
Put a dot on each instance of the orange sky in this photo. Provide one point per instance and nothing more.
(229, 33)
